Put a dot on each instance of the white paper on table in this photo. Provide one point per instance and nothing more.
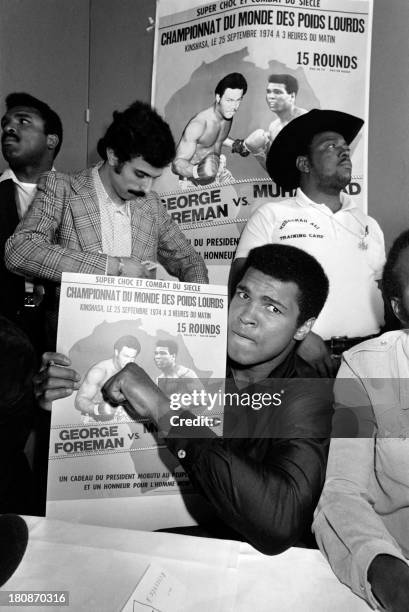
(157, 591)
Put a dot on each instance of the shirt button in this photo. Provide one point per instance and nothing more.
(181, 454)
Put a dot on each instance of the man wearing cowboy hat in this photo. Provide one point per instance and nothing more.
(312, 154)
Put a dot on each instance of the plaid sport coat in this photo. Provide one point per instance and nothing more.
(61, 232)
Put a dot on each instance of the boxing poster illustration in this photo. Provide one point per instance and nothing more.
(228, 77)
(101, 461)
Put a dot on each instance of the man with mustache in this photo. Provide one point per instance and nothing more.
(199, 160)
(30, 141)
(264, 476)
(106, 219)
(312, 154)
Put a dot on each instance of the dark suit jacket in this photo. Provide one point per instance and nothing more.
(12, 287)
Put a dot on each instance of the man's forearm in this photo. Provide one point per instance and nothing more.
(177, 255)
(269, 505)
(28, 254)
(194, 271)
(183, 167)
(85, 405)
(33, 249)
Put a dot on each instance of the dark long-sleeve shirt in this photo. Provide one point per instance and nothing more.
(264, 477)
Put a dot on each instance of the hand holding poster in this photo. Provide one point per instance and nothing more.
(98, 455)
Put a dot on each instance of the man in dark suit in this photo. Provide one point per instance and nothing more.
(31, 138)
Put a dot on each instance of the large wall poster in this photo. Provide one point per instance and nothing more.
(323, 44)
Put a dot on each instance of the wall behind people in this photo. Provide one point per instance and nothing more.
(388, 172)
(121, 57)
(47, 45)
(44, 49)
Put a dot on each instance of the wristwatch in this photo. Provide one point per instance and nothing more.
(120, 267)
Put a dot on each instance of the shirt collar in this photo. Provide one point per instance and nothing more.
(103, 196)
(99, 187)
(286, 369)
(347, 203)
(9, 174)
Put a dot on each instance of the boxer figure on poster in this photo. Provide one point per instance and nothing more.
(174, 377)
(89, 400)
(281, 92)
(165, 359)
(199, 160)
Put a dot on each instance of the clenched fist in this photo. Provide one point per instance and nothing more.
(136, 392)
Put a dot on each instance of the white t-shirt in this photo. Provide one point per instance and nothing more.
(354, 306)
(26, 191)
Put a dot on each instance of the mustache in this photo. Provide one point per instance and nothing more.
(137, 194)
(9, 137)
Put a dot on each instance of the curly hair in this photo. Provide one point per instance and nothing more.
(289, 264)
(139, 131)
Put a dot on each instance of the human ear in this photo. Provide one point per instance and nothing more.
(399, 311)
(52, 141)
(304, 329)
(111, 157)
(302, 163)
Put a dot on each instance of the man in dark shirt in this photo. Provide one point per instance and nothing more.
(264, 476)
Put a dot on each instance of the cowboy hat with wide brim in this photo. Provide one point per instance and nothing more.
(294, 138)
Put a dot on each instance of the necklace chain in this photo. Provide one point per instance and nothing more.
(364, 233)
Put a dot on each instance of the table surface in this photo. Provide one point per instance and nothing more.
(101, 566)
